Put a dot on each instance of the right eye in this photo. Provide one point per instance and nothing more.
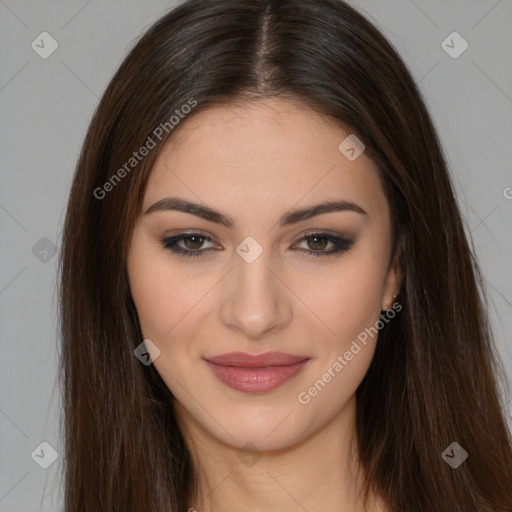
(192, 243)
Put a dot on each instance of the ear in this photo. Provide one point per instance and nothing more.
(393, 279)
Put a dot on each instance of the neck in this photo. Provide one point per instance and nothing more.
(316, 474)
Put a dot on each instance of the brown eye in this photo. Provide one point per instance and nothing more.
(317, 242)
(192, 244)
(195, 242)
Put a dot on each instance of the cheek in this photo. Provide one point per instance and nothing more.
(350, 305)
(172, 305)
(153, 294)
(161, 293)
(151, 298)
(349, 300)
(162, 304)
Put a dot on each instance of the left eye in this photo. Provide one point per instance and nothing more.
(192, 244)
(320, 240)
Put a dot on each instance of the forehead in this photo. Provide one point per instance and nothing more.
(265, 155)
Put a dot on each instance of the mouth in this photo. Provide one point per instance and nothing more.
(256, 373)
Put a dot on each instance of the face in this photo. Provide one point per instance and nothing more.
(239, 260)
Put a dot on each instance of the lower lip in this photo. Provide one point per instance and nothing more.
(256, 380)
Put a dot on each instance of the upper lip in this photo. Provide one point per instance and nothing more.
(245, 360)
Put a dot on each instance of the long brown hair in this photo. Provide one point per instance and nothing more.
(433, 379)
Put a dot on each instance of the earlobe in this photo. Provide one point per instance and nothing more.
(389, 307)
(393, 282)
(390, 304)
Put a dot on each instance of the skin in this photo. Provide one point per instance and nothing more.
(255, 163)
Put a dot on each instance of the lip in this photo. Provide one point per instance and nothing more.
(257, 373)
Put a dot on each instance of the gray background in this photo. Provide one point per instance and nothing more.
(46, 105)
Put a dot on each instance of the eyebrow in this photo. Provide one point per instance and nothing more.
(291, 217)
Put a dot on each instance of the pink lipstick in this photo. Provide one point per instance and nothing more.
(255, 373)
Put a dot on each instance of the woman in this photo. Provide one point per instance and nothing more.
(268, 301)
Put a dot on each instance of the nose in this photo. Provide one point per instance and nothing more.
(256, 299)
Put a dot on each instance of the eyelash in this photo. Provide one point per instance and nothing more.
(341, 244)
